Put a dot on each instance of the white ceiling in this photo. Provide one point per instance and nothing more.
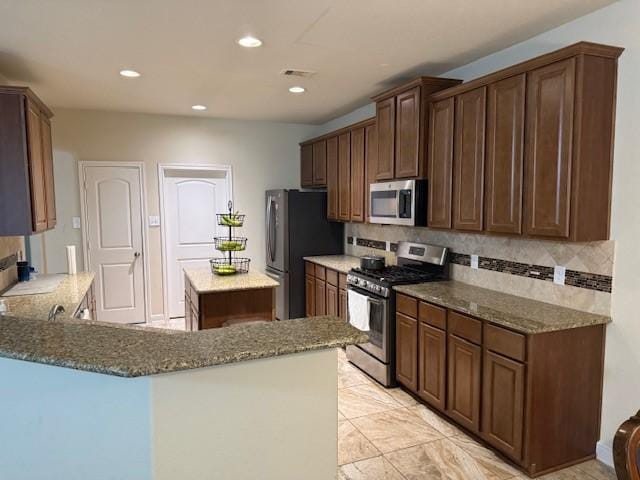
(70, 51)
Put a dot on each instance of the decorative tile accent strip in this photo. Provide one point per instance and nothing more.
(590, 281)
(8, 262)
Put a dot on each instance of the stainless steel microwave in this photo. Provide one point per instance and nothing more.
(403, 202)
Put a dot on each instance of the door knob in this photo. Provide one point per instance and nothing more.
(137, 254)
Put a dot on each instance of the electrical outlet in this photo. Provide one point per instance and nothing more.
(559, 274)
(75, 221)
(154, 220)
(474, 262)
(388, 247)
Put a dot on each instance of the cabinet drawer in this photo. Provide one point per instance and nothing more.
(432, 315)
(342, 280)
(505, 342)
(310, 268)
(332, 277)
(465, 327)
(320, 272)
(407, 305)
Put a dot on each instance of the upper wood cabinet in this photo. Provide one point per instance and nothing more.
(344, 176)
(549, 147)
(332, 178)
(505, 153)
(371, 161)
(357, 174)
(401, 117)
(468, 164)
(27, 197)
(441, 126)
(313, 164)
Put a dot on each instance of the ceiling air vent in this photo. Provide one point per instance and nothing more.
(291, 72)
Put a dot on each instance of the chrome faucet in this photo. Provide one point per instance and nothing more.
(55, 310)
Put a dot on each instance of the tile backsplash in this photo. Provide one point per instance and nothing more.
(9, 248)
(518, 266)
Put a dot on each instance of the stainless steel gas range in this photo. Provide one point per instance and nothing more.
(416, 263)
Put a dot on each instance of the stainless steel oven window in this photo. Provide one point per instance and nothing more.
(384, 203)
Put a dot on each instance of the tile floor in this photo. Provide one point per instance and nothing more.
(384, 434)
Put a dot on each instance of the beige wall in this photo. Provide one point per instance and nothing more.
(617, 25)
(263, 155)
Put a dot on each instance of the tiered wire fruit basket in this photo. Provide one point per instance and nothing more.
(228, 245)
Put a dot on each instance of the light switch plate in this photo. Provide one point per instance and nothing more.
(559, 274)
(154, 220)
(388, 247)
(75, 221)
(474, 262)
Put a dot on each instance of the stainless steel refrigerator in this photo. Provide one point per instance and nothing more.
(297, 227)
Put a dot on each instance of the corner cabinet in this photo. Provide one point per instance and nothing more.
(313, 164)
(325, 291)
(524, 394)
(401, 119)
(27, 197)
(547, 127)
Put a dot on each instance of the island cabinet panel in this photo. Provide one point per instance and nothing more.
(468, 165)
(320, 297)
(306, 165)
(441, 128)
(357, 174)
(371, 162)
(464, 385)
(310, 295)
(505, 154)
(432, 365)
(534, 397)
(407, 351)
(332, 178)
(320, 163)
(344, 176)
(549, 149)
(407, 139)
(386, 132)
(503, 404)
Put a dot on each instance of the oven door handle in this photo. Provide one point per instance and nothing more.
(374, 301)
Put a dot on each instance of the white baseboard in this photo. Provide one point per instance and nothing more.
(604, 453)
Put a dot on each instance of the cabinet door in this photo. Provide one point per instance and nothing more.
(505, 150)
(432, 363)
(407, 140)
(463, 396)
(548, 153)
(440, 163)
(332, 300)
(36, 169)
(332, 178)
(343, 312)
(357, 174)
(306, 165)
(370, 162)
(407, 351)
(386, 126)
(468, 164)
(503, 404)
(310, 295)
(320, 163)
(47, 158)
(344, 177)
(321, 297)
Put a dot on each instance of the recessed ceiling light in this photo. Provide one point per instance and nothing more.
(129, 73)
(297, 89)
(198, 107)
(250, 42)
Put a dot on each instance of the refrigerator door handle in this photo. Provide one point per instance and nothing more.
(272, 229)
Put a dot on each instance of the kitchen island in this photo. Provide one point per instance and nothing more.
(213, 301)
(243, 402)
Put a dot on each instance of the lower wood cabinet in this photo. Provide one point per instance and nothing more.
(325, 291)
(465, 363)
(535, 398)
(407, 351)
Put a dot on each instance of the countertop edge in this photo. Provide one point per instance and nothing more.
(327, 262)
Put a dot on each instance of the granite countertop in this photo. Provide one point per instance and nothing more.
(341, 263)
(517, 313)
(69, 294)
(138, 352)
(206, 282)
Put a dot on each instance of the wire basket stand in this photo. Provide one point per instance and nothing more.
(228, 264)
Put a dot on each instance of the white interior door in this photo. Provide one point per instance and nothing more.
(191, 200)
(113, 210)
